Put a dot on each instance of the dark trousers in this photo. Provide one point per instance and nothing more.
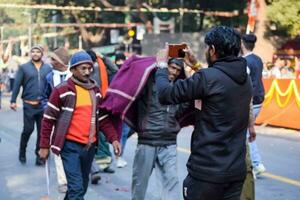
(77, 161)
(103, 147)
(11, 84)
(194, 189)
(31, 115)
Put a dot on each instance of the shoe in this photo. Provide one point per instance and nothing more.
(62, 188)
(121, 162)
(39, 161)
(22, 157)
(108, 170)
(259, 169)
(95, 178)
(104, 160)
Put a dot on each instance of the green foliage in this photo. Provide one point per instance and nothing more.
(285, 14)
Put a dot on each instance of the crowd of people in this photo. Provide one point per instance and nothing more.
(80, 103)
(282, 69)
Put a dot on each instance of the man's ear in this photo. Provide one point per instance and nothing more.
(212, 50)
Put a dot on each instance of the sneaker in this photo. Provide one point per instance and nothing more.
(62, 188)
(121, 162)
(259, 169)
(22, 159)
(108, 170)
(95, 178)
(22, 156)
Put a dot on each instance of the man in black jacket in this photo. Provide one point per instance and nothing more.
(216, 166)
(157, 135)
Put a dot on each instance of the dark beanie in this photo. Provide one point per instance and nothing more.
(80, 58)
(92, 54)
(178, 62)
(249, 38)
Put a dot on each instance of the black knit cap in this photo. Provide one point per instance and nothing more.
(249, 38)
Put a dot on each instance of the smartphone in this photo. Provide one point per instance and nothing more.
(176, 50)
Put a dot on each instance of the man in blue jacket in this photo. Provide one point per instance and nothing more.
(255, 67)
(216, 166)
(31, 76)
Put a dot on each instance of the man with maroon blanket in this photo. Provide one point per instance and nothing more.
(70, 124)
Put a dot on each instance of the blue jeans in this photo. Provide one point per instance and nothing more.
(124, 135)
(77, 161)
(254, 153)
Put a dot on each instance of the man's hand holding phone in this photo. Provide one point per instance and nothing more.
(162, 57)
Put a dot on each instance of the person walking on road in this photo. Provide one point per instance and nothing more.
(59, 60)
(103, 72)
(157, 137)
(255, 66)
(31, 76)
(216, 166)
(70, 125)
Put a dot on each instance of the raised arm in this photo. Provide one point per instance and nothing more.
(182, 90)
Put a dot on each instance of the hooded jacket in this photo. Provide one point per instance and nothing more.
(218, 144)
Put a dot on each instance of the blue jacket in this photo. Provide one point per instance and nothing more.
(47, 89)
(31, 80)
(256, 67)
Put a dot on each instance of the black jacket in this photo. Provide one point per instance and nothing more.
(157, 123)
(218, 145)
(32, 81)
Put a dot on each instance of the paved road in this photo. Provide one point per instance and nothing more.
(27, 182)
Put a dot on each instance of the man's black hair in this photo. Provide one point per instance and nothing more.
(226, 40)
(92, 54)
(249, 41)
(120, 56)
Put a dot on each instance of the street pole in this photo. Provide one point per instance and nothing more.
(1, 33)
(30, 32)
(80, 42)
(181, 16)
(54, 19)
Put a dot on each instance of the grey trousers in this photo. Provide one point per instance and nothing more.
(164, 160)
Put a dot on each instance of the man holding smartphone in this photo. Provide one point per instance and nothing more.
(216, 166)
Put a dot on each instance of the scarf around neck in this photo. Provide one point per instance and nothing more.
(57, 76)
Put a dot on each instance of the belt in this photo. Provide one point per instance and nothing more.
(33, 103)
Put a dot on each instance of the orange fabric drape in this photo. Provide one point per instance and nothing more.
(288, 114)
(103, 75)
